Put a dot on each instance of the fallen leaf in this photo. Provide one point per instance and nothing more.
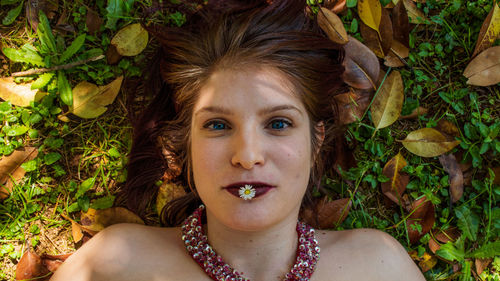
(52, 262)
(329, 213)
(419, 111)
(130, 40)
(112, 55)
(90, 101)
(398, 180)
(455, 178)
(332, 25)
(426, 262)
(93, 21)
(352, 105)
(414, 14)
(387, 105)
(422, 213)
(10, 168)
(401, 24)
(482, 264)
(379, 42)
(442, 237)
(396, 54)
(166, 193)
(496, 171)
(30, 267)
(34, 6)
(18, 94)
(428, 142)
(97, 220)
(77, 231)
(344, 156)
(484, 69)
(370, 12)
(490, 30)
(361, 65)
(339, 6)
(448, 129)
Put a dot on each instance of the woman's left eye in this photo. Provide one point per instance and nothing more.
(279, 124)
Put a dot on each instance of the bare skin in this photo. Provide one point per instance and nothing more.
(133, 252)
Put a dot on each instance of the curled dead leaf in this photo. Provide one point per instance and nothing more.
(484, 69)
(387, 105)
(52, 262)
(97, 220)
(455, 178)
(19, 94)
(361, 65)
(490, 30)
(77, 231)
(10, 168)
(30, 267)
(421, 219)
(329, 213)
(130, 40)
(332, 25)
(398, 180)
(352, 105)
(428, 142)
(166, 193)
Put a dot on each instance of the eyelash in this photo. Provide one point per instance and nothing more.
(217, 122)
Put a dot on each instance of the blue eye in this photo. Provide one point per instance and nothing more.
(279, 124)
(215, 125)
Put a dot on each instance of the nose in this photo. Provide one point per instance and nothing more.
(248, 149)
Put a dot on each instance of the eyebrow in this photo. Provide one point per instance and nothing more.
(264, 111)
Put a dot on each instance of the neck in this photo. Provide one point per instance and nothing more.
(266, 254)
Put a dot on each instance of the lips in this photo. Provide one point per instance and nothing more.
(261, 188)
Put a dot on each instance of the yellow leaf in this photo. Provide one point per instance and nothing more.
(166, 193)
(130, 40)
(90, 101)
(332, 26)
(97, 220)
(428, 142)
(77, 232)
(388, 103)
(10, 168)
(398, 181)
(370, 12)
(18, 94)
(414, 14)
(490, 30)
(484, 70)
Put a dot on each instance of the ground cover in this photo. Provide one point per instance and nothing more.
(420, 159)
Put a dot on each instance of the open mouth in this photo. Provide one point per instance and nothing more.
(260, 188)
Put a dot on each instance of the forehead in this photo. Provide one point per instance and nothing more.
(253, 86)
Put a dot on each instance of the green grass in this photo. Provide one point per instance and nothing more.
(81, 162)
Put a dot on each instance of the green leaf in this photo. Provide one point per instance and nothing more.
(468, 222)
(351, 3)
(16, 130)
(449, 252)
(23, 56)
(51, 158)
(64, 88)
(47, 40)
(30, 165)
(86, 185)
(12, 14)
(73, 207)
(103, 203)
(115, 11)
(8, 2)
(489, 250)
(73, 48)
(42, 80)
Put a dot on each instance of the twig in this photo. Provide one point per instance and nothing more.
(57, 67)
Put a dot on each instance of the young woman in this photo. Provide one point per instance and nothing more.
(247, 121)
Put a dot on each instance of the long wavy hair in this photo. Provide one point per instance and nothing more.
(229, 35)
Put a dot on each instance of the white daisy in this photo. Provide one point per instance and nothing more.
(247, 192)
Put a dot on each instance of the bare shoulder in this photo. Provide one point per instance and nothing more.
(373, 254)
(120, 250)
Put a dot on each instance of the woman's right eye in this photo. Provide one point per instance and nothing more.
(215, 125)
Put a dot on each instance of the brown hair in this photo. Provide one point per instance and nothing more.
(231, 35)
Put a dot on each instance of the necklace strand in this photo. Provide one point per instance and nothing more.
(196, 243)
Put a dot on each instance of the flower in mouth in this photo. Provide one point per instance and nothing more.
(247, 192)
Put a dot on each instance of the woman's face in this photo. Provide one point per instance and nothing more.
(249, 128)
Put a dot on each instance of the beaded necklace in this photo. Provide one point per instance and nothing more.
(196, 243)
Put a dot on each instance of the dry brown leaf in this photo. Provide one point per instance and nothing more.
(90, 101)
(330, 213)
(448, 129)
(30, 267)
(378, 42)
(482, 264)
(396, 54)
(130, 40)
(490, 30)
(370, 12)
(428, 142)
(387, 105)
(442, 237)
(10, 168)
(339, 6)
(77, 231)
(398, 180)
(166, 193)
(484, 70)
(496, 171)
(52, 262)
(361, 65)
(419, 111)
(332, 25)
(422, 213)
(414, 14)
(93, 21)
(344, 156)
(18, 94)
(112, 55)
(455, 178)
(426, 262)
(97, 220)
(352, 105)
(401, 24)
(49, 7)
